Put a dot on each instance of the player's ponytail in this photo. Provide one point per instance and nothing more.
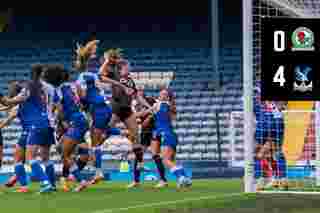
(83, 54)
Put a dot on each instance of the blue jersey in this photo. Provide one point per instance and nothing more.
(277, 121)
(70, 101)
(32, 112)
(53, 99)
(162, 116)
(95, 99)
(94, 96)
(163, 125)
(93, 65)
(259, 110)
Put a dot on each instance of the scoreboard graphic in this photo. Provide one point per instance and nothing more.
(290, 63)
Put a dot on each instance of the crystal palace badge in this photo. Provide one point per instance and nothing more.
(303, 82)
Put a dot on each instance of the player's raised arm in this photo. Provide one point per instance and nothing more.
(110, 58)
(150, 110)
(20, 98)
(5, 108)
(12, 115)
(104, 75)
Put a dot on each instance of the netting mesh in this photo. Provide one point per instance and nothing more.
(307, 7)
(287, 157)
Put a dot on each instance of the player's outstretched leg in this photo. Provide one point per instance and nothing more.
(137, 166)
(136, 175)
(168, 153)
(20, 172)
(36, 168)
(79, 165)
(46, 162)
(98, 164)
(21, 177)
(161, 170)
(97, 138)
(19, 156)
(68, 147)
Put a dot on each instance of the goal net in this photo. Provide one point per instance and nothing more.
(253, 13)
(286, 150)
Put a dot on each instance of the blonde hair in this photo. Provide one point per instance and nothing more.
(114, 52)
(83, 54)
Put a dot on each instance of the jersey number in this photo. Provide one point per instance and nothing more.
(279, 76)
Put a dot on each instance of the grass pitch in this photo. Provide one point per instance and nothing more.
(223, 196)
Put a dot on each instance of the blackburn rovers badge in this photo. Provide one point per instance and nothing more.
(302, 39)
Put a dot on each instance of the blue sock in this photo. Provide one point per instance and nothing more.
(38, 171)
(21, 174)
(76, 168)
(98, 156)
(178, 172)
(50, 172)
(257, 169)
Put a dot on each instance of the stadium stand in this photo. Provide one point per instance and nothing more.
(189, 70)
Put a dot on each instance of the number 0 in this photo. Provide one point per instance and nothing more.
(279, 76)
(279, 35)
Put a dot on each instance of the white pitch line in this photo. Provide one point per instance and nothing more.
(167, 203)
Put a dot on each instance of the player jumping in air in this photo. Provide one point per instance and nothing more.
(76, 127)
(99, 110)
(115, 71)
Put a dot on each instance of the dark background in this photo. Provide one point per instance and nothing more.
(272, 60)
(189, 21)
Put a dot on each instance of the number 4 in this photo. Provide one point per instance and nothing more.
(279, 76)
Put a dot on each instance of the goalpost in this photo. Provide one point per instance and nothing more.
(252, 13)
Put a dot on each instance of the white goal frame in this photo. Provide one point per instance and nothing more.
(248, 76)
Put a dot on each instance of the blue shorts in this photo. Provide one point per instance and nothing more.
(263, 129)
(78, 128)
(166, 138)
(261, 135)
(113, 131)
(101, 116)
(22, 142)
(277, 131)
(37, 136)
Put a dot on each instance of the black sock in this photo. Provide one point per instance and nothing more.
(158, 161)
(138, 154)
(81, 164)
(136, 171)
(65, 171)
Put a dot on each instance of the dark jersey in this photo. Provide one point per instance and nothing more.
(119, 95)
(114, 74)
(150, 125)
